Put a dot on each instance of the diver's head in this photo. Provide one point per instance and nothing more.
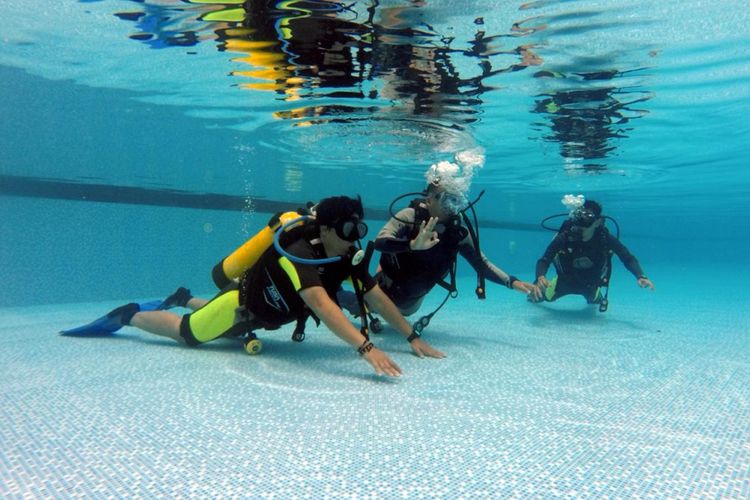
(446, 190)
(341, 224)
(586, 219)
(443, 204)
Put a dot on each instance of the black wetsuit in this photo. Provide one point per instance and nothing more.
(267, 295)
(584, 266)
(408, 275)
(270, 289)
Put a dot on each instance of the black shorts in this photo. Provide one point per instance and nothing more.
(407, 303)
(558, 288)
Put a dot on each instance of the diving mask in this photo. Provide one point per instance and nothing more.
(583, 218)
(450, 203)
(351, 230)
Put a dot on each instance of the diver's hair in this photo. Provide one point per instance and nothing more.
(330, 211)
(593, 207)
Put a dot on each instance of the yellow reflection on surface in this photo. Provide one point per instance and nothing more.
(237, 45)
(269, 63)
(225, 15)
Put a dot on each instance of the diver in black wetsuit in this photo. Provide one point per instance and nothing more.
(295, 277)
(419, 247)
(582, 255)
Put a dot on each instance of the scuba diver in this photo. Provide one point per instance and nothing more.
(582, 255)
(295, 277)
(419, 246)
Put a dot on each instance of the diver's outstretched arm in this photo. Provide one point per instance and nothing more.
(320, 303)
(381, 303)
(630, 261)
(644, 282)
(482, 264)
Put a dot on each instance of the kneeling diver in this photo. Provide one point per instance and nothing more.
(420, 244)
(582, 255)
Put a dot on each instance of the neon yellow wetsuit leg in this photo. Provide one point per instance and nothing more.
(213, 320)
(549, 292)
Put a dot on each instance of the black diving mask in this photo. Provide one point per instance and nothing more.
(583, 218)
(351, 230)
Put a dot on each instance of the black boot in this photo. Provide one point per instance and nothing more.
(179, 298)
(124, 314)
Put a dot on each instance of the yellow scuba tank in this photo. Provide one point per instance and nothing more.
(242, 259)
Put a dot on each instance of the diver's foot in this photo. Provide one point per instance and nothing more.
(123, 314)
(179, 298)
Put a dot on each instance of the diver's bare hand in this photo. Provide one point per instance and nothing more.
(527, 288)
(422, 349)
(382, 363)
(646, 283)
(542, 282)
(427, 237)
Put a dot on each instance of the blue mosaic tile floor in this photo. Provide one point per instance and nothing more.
(649, 400)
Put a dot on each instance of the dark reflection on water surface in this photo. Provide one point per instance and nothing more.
(335, 62)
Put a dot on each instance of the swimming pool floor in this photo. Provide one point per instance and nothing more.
(650, 399)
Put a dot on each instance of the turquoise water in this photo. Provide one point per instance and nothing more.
(140, 142)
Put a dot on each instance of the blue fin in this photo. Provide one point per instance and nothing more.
(154, 305)
(109, 323)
